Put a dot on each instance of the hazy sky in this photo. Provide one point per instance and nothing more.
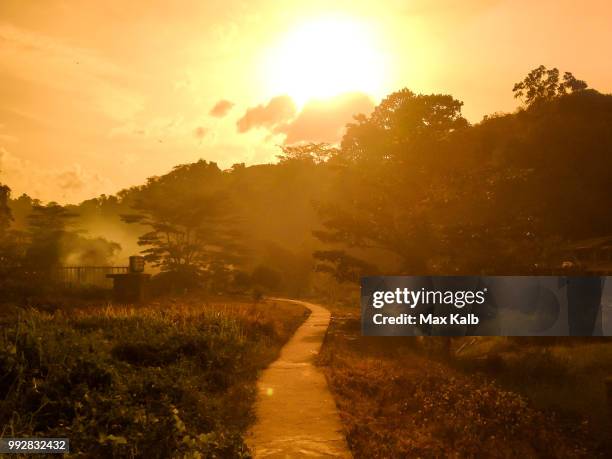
(97, 96)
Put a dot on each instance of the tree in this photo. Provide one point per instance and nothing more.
(191, 227)
(402, 128)
(563, 148)
(48, 226)
(5, 212)
(313, 153)
(266, 278)
(394, 168)
(343, 267)
(415, 181)
(543, 84)
(9, 249)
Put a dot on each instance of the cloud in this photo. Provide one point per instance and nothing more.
(158, 128)
(200, 132)
(68, 184)
(71, 179)
(278, 110)
(320, 120)
(325, 120)
(221, 108)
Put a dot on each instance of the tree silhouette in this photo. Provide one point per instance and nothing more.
(342, 266)
(10, 245)
(266, 278)
(391, 177)
(48, 226)
(314, 153)
(544, 84)
(5, 212)
(504, 196)
(191, 227)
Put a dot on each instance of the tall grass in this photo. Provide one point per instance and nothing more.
(399, 398)
(175, 379)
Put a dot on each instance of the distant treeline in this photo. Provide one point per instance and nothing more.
(413, 188)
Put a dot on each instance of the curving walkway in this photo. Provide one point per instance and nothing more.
(296, 414)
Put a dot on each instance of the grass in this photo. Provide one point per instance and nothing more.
(172, 379)
(561, 375)
(398, 398)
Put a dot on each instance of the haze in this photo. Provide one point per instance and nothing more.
(96, 98)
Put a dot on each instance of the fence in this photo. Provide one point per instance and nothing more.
(81, 276)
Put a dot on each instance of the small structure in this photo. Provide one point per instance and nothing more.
(131, 287)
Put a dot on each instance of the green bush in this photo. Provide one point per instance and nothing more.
(176, 381)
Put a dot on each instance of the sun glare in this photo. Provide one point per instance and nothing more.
(326, 57)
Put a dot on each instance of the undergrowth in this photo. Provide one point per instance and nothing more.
(397, 401)
(166, 380)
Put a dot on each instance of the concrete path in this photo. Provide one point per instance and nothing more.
(296, 414)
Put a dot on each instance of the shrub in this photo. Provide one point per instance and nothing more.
(164, 380)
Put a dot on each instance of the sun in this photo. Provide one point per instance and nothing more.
(326, 57)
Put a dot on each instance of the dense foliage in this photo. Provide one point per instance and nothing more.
(502, 196)
(413, 188)
(398, 397)
(171, 380)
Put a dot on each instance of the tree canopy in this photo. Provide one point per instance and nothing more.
(412, 188)
(189, 220)
(545, 84)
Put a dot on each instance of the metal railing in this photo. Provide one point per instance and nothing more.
(81, 276)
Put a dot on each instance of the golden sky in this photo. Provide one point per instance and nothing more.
(97, 96)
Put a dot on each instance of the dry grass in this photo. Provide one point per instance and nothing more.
(561, 375)
(396, 401)
(171, 379)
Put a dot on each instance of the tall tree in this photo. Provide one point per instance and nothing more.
(500, 197)
(5, 211)
(544, 84)
(393, 169)
(48, 227)
(191, 228)
(10, 248)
